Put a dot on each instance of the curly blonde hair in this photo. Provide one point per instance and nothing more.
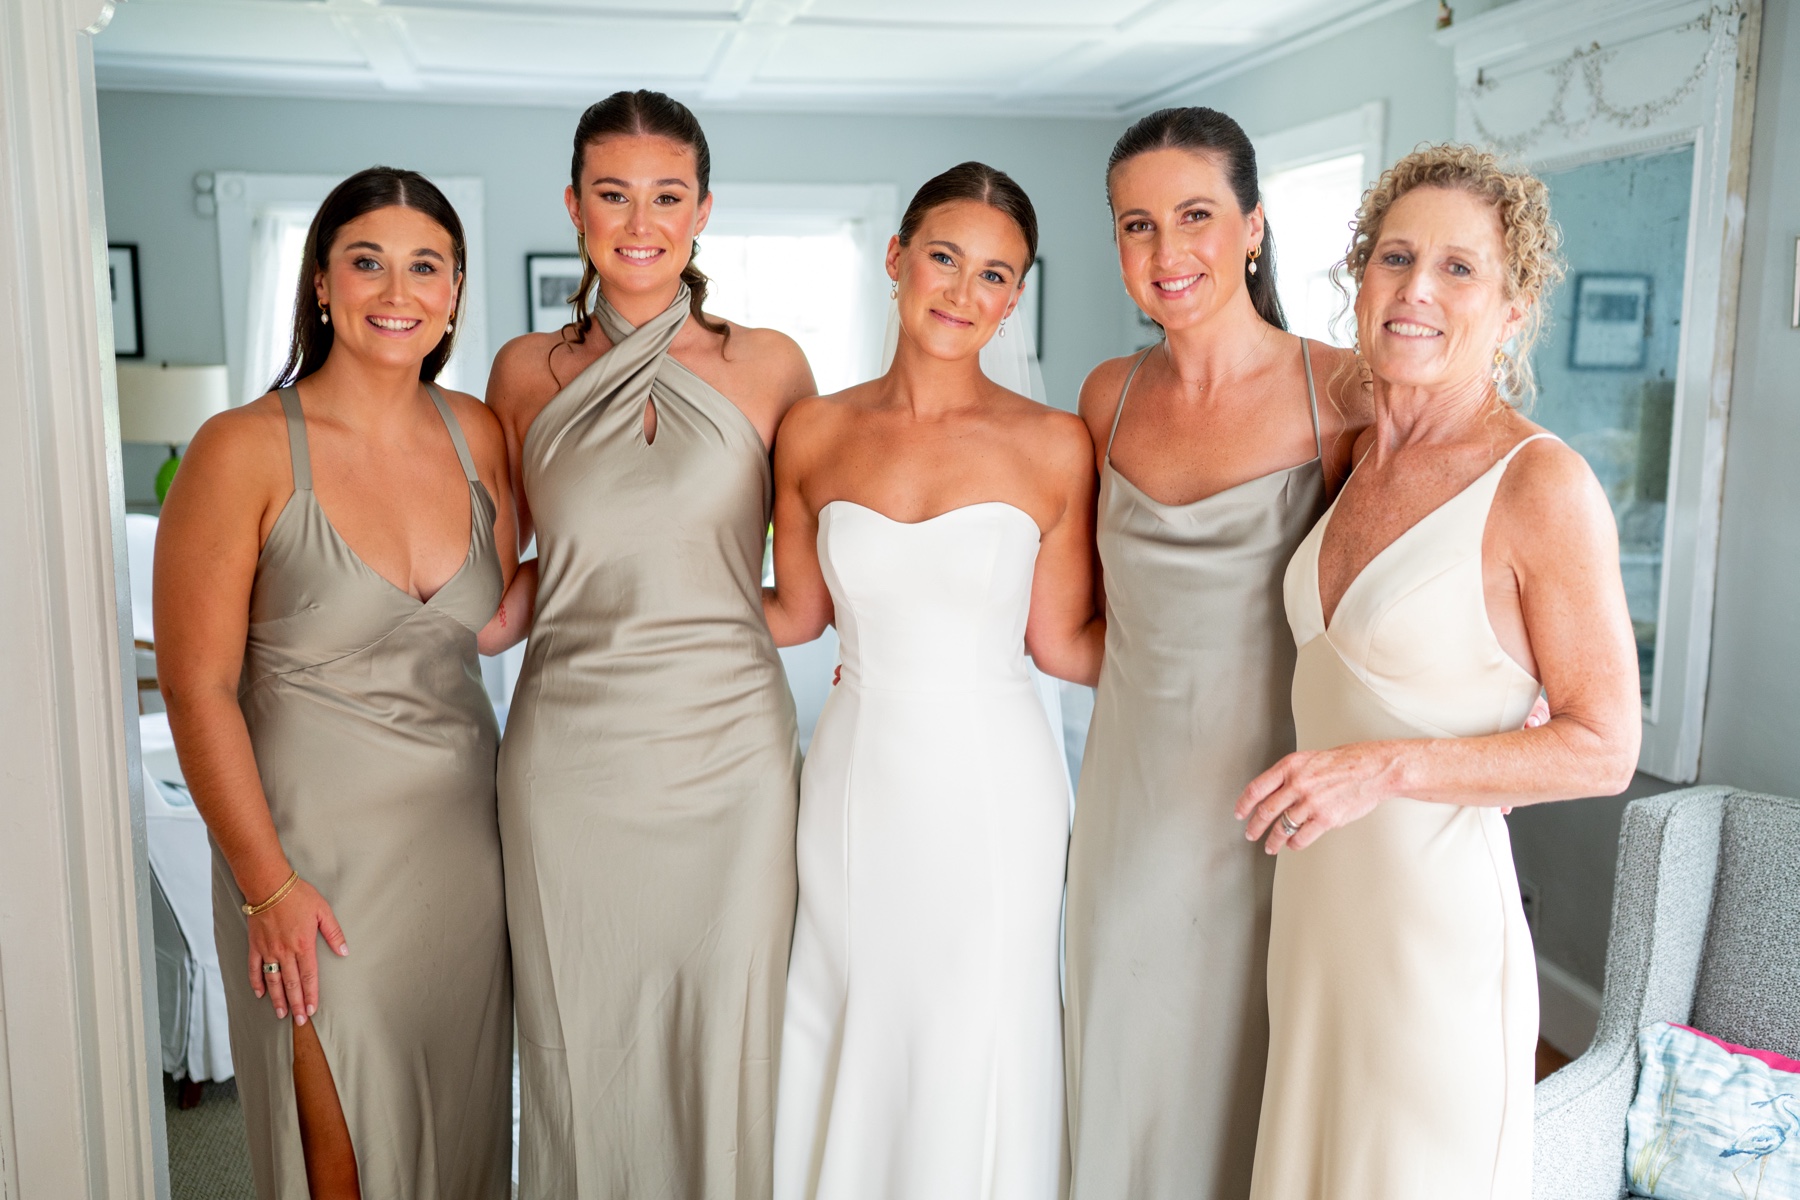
(1534, 263)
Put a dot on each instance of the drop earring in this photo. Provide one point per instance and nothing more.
(1255, 253)
(894, 292)
(450, 325)
(1002, 326)
(324, 315)
(1499, 372)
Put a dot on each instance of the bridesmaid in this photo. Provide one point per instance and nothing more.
(325, 560)
(649, 776)
(1218, 448)
(1470, 558)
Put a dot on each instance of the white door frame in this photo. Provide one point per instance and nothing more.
(80, 1094)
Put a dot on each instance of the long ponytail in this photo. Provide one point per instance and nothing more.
(1209, 131)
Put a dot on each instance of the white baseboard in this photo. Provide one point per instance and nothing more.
(1568, 1009)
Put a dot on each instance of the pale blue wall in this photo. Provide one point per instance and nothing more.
(152, 145)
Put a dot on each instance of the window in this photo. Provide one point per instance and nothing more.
(1313, 178)
(1310, 210)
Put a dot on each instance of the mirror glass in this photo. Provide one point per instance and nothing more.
(1606, 364)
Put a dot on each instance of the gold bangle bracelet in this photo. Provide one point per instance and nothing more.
(251, 910)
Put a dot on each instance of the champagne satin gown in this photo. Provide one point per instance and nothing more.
(1168, 904)
(649, 780)
(1402, 985)
(374, 740)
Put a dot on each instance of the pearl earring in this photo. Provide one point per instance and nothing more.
(450, 326)
(1002, 326)
(894, 292)
(1255, 253)
(324, 315)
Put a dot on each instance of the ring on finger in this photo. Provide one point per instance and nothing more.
(1288, 826)
(270, 968)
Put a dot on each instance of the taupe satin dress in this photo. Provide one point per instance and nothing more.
(375, 743)
(649, 783)
(1167, 930)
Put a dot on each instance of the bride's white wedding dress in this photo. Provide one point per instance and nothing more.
(921, 1057)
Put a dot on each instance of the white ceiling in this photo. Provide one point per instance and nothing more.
(1089, 57)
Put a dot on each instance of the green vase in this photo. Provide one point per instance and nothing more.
(165, 475)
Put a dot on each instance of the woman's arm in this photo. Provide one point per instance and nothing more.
(798, 607)
(207, 545)
(1065, 633)
(1552, 527)
(511, 622)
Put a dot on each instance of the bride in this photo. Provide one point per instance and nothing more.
(943, 523)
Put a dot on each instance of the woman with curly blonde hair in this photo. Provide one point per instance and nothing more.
(1470, 561)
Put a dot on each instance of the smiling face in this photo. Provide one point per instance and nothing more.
(639, 209)
(958, 278)
(1182, 238)
(390, 284)
(1433, 308)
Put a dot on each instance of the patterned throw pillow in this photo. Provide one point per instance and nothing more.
(1712, 1121)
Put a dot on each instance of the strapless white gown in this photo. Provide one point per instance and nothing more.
(921, 1058)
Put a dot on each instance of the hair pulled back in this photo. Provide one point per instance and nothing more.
(363, 193)
(984, 185)
(1209, 131)
(1532, 242)
(639, 114)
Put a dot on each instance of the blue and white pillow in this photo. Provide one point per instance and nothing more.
(1712, 1121)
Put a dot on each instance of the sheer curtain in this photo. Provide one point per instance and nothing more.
(277, 244)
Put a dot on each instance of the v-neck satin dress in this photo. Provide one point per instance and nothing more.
(375, 742)
(1168, 905)
(649, 783)
(1402, 983)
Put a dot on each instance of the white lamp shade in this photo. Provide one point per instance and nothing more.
(167, 405)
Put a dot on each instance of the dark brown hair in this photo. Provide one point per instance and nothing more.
(1208, 131)
(643, 113)
(363, 193)
(984, 185)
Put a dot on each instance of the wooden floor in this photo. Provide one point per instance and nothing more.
(1549, 1059)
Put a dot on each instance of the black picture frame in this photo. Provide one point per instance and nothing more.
(546, 307)
(127, 299)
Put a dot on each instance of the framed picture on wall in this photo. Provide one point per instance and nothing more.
(1611, 321)
(550, 279)
(127, 307)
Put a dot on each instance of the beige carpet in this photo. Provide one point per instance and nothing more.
(208, 1159)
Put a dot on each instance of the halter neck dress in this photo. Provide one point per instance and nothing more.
(375, 742)
(649, 780)
(1402, 984)
(1168, 904)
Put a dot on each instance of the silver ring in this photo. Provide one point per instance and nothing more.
(1287, 826)
(271, 968)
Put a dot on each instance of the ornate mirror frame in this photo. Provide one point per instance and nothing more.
(1564, 83)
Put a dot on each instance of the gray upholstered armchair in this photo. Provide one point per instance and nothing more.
(1705, 932)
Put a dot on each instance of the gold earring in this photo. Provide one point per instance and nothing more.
(324, 314)
(1255, 253)
(1499, 366)
(450, 325)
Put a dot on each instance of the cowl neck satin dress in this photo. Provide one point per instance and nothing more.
(1168, 909)
(649, 781)
(374, 740)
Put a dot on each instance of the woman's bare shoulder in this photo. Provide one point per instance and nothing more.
(237, 455)
(479, 424)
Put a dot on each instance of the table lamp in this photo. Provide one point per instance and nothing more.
(168, 405)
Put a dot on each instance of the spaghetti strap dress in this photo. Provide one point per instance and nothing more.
(1402, 984)
(649, 781)
(375, 743)
(1168, 906)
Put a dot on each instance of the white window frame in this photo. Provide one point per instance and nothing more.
(1361, 130)
(747, 209)
(240, 195)
(1508, 65)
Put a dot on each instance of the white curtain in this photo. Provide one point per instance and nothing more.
(277, 245)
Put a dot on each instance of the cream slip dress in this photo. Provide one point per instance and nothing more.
(1168, 920)
(1402, 988)
(649, 780)
(922, 1053)
(374, 740)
